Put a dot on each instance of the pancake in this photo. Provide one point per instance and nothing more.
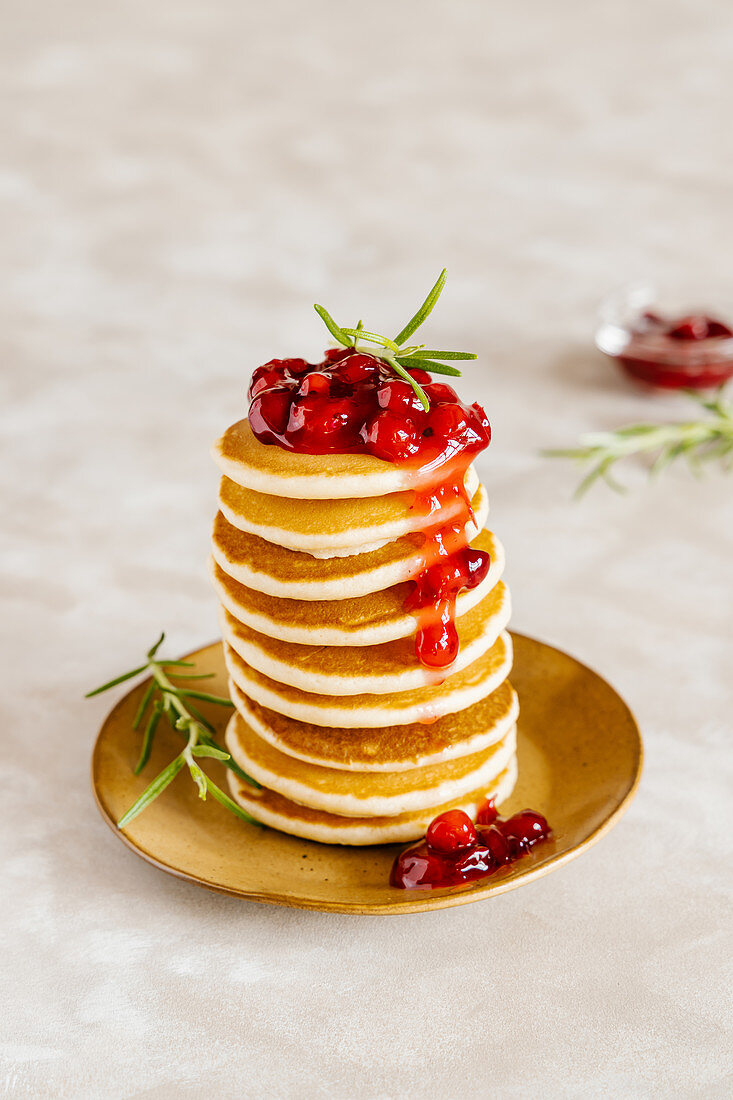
(359, 621)
(364, 794)
(293, 574)
(353, 670)
(289, 817)
(423, 704)
(270, 469)
(330, 528)
(391, 748)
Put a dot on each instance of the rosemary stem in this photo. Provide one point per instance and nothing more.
(197, 730)
(703, 440)
(396, 353)
(692, 432)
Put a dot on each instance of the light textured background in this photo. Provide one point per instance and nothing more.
(180, 181)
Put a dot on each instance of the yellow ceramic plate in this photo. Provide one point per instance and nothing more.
(579, 764)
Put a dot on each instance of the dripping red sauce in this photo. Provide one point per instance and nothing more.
(353, 403)
(691, 351)
(455, 850)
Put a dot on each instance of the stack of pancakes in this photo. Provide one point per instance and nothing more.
(352, 739)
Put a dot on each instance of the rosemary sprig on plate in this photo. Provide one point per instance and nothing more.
(705, 439)
(164, 697)
(394, 352)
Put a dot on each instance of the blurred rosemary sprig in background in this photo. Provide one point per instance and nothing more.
(162, 698)
(705, 439)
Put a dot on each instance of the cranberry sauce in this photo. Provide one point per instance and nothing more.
(449, 565)
(353, 403)
(455, 850)
(685, 352)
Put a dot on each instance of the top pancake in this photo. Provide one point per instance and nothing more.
(271, 469)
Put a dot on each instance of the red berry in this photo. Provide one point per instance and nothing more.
(496, 842)
(482, 421)
(717, 328)
(476, 566)
(295, 367)
(277, 372)
(265, 377)
(448, 421)
(444, 580)
(524, 830)
(270, 411)
(398, 396)
(420, 376)
(689, 328)
(417, 866)
(315, 382)
(452, 831)
(487, 813)
(359, 368)
(439, 392)
(477, 862)
(390, 436)
(321, 419)
(335, 355)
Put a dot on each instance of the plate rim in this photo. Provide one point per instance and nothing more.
(425, 900)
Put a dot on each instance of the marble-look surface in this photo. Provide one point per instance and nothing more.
(179, 182)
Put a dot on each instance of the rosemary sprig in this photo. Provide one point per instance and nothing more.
(172, 701)
(705, 439)
(401, 358)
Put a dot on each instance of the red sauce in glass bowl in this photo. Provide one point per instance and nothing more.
(694, 351)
